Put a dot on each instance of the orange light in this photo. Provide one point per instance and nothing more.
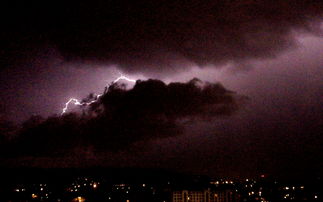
(79, 199)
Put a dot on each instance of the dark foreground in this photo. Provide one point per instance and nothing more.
(151, 185)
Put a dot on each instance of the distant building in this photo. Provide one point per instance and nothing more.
(205, 196)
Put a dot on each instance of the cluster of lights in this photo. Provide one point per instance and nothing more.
(20, 190)
(122, 187)
(79, 199)
(253, 190)
(222, 182)
(291, 192)
(293, 188)
(127, 189)
(41, 193)
(84, 183)
(288, 196)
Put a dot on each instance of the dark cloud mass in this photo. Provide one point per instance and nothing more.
(51, 51)
(150, 110)
(162, 34)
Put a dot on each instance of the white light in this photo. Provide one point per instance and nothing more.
(123, 78)
(78, 103)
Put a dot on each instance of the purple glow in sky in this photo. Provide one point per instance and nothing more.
(269, 51)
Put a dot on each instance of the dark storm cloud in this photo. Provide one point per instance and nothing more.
(150, 110)
(157, 35)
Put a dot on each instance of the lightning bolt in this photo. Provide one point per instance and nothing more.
(78, 103)
(72, 100)
(123, 78)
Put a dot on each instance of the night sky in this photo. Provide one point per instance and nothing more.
(224, 87)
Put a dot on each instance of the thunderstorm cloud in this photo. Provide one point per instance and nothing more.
(157, 36)
(45, 44)
(121, 117)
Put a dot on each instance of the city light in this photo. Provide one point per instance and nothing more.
(81, 190)
(34, 196)
(79, 199)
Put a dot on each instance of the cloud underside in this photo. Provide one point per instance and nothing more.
(165, 35)
(121, 117)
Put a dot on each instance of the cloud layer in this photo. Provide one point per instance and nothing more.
(159, 35)
(120, 118)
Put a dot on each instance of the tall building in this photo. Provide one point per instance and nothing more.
(205, 196)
